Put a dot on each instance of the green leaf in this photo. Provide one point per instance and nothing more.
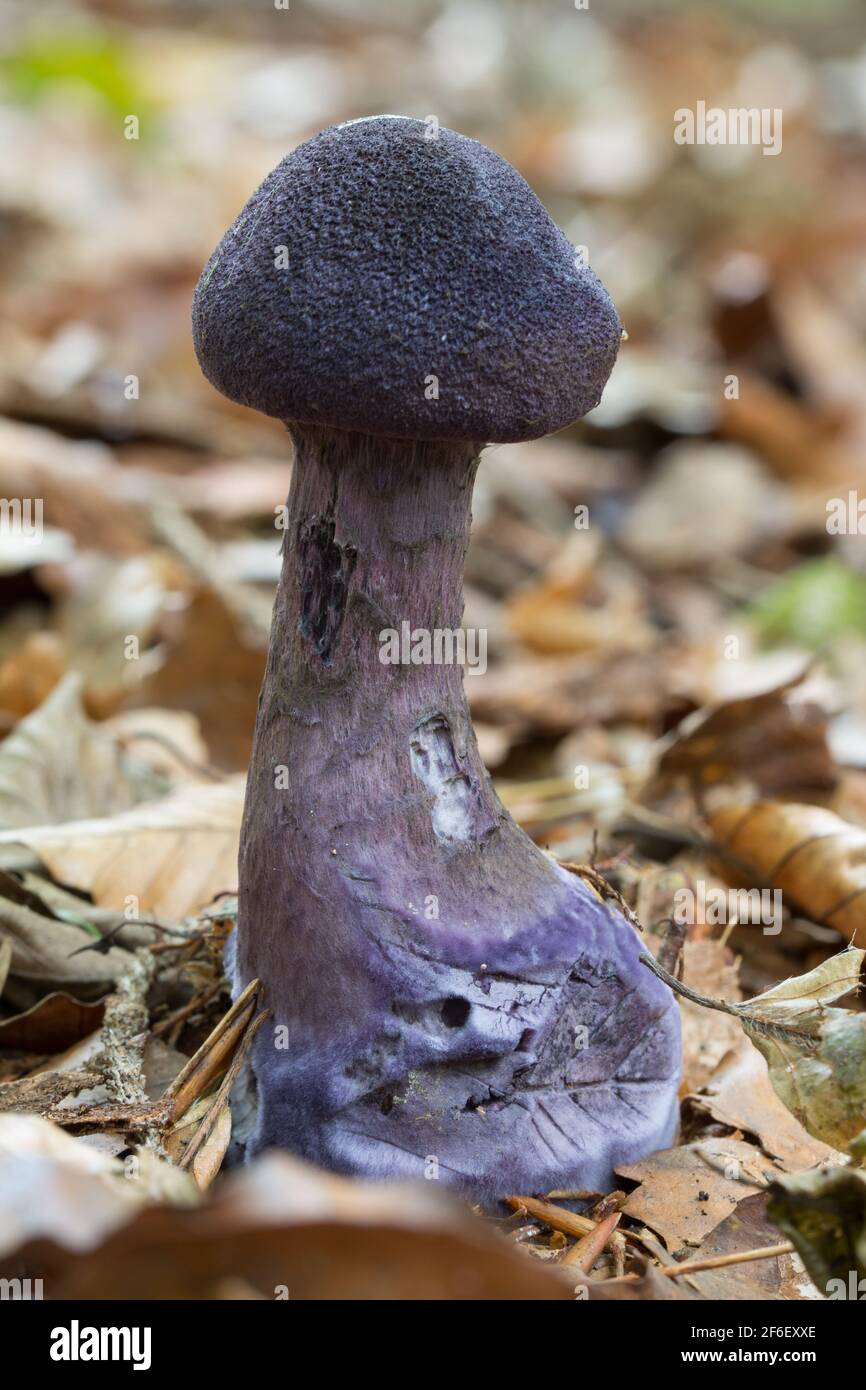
(812, 604)
(823, 1212)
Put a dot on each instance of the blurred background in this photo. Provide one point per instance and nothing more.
(673, 592)
(671, 551)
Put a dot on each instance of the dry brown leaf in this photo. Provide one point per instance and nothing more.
(778, 744)
(213, 669)
(58, 766)
(285, 1229)
(800, 444)
(47, 955)
(561, 694)
(209, 1158)
(708, 968)
(817, 859)
(81, 486)
(747, 1228)
(56, 1023)
(173, 855)
(685, 1192)
(572, 610)
(29, 675)
(739, 1094)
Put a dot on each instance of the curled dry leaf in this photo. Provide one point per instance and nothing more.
(740, 1096)
(685, 1192)
(817, 859)
(59, 766)
(284, 1229)
(749, 1227)
(213, 668)
(173, 855)
(53, 1187)
(56, 1023)
(816, 1054)
(46, 953)
(779, 744)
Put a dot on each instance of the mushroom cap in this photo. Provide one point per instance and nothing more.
(401, 279)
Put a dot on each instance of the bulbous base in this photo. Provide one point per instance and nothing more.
(546, 1062)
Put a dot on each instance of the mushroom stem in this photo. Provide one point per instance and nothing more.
(433, 976)
(366, 788)
(363, 694)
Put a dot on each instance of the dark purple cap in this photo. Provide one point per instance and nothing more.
(401, 279)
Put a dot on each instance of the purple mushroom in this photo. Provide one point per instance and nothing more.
(447, 1000)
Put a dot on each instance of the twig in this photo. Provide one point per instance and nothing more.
(206, 1127)
(556, 1217)
(783, 1032)
(605, 890)
(587, 1249)
(166, 1024)
(205, 1064)
(766, 1252)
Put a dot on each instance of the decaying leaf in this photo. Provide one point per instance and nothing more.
(817, 859)
(285, 1230)
(213, 668)
(740, 1096)
(779, 744)
(54, 1024)
(685, 1192)
(816, 1054)
(58, 766)
(173, 855)
(748, 1228)
(55, 1188)
(824, 1214)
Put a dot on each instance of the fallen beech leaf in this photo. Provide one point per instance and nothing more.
(47, 952)
(174, 855)
(56, 1023)
(824, 1086)
(685, 1192)
(213, 668)
(824, 1214)
(58, 766)
(749, 1227)
(816, 1054)
(284, 1229)
(817, 859)
(554, 614)
(561, 694)
(779, 744)
(739, 1095)
(52, 1186)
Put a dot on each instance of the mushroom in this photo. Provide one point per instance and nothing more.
(448, 1001)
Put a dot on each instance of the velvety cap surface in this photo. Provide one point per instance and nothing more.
(399, 280)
